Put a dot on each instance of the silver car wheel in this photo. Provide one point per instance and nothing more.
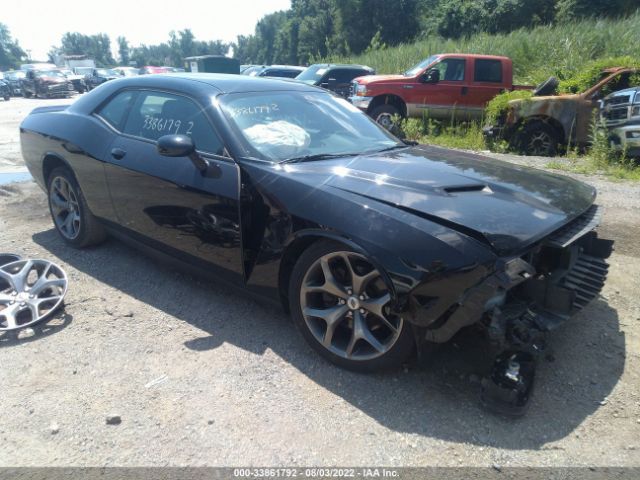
(344, 303)
(65, 209)
(30, 290)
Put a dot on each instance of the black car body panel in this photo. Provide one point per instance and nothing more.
(335, 77)
(450, 231)
(13, 78)
(5, 90)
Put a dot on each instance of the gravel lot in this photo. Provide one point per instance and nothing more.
(201, 375)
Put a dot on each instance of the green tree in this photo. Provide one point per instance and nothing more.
(10, 52)
(123, 50)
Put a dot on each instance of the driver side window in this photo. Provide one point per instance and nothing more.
(155, 114)
(451, 69)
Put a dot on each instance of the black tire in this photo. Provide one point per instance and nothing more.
(90, 231)
(26, 94)
(548, 87)
(539, 139)
(7, 98)
(399, 348)
(384, 115)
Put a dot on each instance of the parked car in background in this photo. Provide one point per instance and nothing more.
(546, 123)
(277, 71)
(150, 69)
(13, 77)
(5, 89)
(126, 71)
(100, 75)
(334, 77)
(78, 81)
(212, 64)
(447, 86)
(46, 84)
(243, 68)
(620, 114)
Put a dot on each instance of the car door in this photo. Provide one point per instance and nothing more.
(167, 202)
(445, 99)
(488, 82)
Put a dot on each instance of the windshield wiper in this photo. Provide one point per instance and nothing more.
(319, 156)
(395, 147)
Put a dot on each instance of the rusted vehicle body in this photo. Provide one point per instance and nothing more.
(544, 125)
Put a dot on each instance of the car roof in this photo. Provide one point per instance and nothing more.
(341, 65)
(230, 83)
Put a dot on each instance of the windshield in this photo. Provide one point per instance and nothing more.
(312, 74)
(83, 70)
(15, 75)
(51, 73)
(106, 73)
(280, 126)
(416, 69)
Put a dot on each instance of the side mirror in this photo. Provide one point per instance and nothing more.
(181, 146)
(176, 146)
(431, 76)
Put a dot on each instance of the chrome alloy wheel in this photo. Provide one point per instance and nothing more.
(344, 303)
(30, 290)
(65, 209)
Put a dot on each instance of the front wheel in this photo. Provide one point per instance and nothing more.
(7, 98)
(342, 306)
(539, 139)
(386, 115)
(69, 210)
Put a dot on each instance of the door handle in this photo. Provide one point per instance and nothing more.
(465, 90)
(118, 153)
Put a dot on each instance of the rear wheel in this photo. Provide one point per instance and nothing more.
(69, 210)
(7, 98)
(341, 305)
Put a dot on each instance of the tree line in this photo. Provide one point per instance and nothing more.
(314, 29)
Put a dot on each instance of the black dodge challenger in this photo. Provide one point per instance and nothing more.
(376, 247)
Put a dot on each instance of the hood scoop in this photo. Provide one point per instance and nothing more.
(467, 188)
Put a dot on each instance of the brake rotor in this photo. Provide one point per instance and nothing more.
(30, 291)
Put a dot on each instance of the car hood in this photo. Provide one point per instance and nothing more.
(368, 79)
(507, 206)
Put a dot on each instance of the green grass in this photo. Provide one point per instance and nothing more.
(537, 53)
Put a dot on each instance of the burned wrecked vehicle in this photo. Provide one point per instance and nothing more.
(46, 84)
(375, 247)
(620, 115)
(547, 123)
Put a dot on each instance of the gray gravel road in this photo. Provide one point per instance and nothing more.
(201, 375)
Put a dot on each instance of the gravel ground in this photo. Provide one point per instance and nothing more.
(201, 375)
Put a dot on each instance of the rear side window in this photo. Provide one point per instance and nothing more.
(115, 111)
(488, 71)
(155, 114)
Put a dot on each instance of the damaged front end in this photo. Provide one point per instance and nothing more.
(527, 297)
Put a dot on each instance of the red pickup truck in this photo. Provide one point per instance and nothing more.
(444, 86)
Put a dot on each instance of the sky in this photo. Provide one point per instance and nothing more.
(41, 25)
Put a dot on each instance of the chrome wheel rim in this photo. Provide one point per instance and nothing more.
(540, 143)
(345, 306)
(30, 290)
(385, 120)
(65, 209)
